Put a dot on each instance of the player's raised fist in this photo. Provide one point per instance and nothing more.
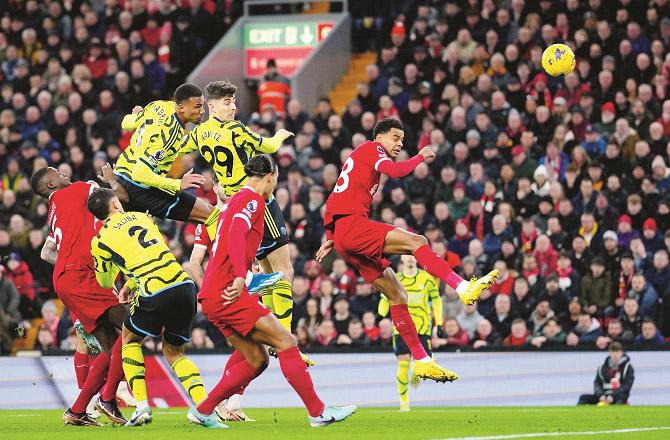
(137, 109)
(191, 180)
(428, 154)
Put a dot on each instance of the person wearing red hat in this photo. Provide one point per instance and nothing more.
(522, 165)
(651, 238)
(625, 231)
(605, 127)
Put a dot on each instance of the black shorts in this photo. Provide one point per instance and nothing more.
(159, 203)
(169, 312)
(399, 346)
(275, 234)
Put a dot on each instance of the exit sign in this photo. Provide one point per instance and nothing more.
(289, 44)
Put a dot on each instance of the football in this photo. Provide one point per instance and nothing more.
(558, 59)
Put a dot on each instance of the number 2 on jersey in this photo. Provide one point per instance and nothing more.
(343, 180)
(142, 236)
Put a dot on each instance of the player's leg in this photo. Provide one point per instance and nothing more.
(133, 367)
(248, 361)
(187, 372)
(269, 331)
(402, 379)
(230, 409)
(279, 260)
(101, 369)
(425, 367)
(177, 309)
(401, 242)
(266, 293)
(82, 361)
(111, 342)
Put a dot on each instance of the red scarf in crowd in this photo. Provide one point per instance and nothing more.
(625, 283)
(527, 241)
(479, 225)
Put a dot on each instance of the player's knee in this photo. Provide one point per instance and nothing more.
(172, 353)
(418, 241)
(288, 273)
(285, 341)
(259, 359)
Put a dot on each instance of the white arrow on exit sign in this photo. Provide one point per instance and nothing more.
(307, 36)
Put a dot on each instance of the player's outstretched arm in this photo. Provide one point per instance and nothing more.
(132, 121)
(195, 265)
(49, 251)
(272, 144)
(324, 250)
(396, 170)
(107, 175)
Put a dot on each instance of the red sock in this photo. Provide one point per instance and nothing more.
(237, 376)
(96, 377)
(115, 374)
(405, 326)
(82, 363)
(235, 358)
(297, 376)
(436, 266)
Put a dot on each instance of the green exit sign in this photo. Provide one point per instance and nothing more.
(300, 34)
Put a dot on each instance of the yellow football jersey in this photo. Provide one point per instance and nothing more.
(153, 148)
(130, 242)
(422, 293)
(227, 146)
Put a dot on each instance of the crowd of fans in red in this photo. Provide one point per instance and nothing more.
(560, 183)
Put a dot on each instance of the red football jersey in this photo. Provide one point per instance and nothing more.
(357, 183)
(72, 227)
(202, 239)
(250, 206)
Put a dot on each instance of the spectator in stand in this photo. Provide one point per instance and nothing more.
(614, 380)
(486, 336)
(596, 288)
(20, 275)
(454, 335)
(501, 316)
(645, 294)
(469, 319)
(518, 334)
(650, 337)
(326, 334)
(586, 332)
(551, 334)
(631, 319)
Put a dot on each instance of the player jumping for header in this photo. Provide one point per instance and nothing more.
(363, 243)
(239, 316)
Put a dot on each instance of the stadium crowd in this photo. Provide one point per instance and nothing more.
(562, 184)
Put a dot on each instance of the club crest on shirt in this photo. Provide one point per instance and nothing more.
(252, 206)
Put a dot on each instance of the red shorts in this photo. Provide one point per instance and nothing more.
(238, 317)
(83, 296)
(361, 243)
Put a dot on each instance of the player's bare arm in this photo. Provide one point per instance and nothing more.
(49, 252)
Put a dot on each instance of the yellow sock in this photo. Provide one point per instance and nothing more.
(402, 379)
(133, 368)
(266, 298)
(212, 222)
(282, 298)
(189, 376)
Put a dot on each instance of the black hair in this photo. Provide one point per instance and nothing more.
(36, 180)
(98, 202)
(260, 166)
(385, 125)
(648, 321)
(186, 91)
(220, 89)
